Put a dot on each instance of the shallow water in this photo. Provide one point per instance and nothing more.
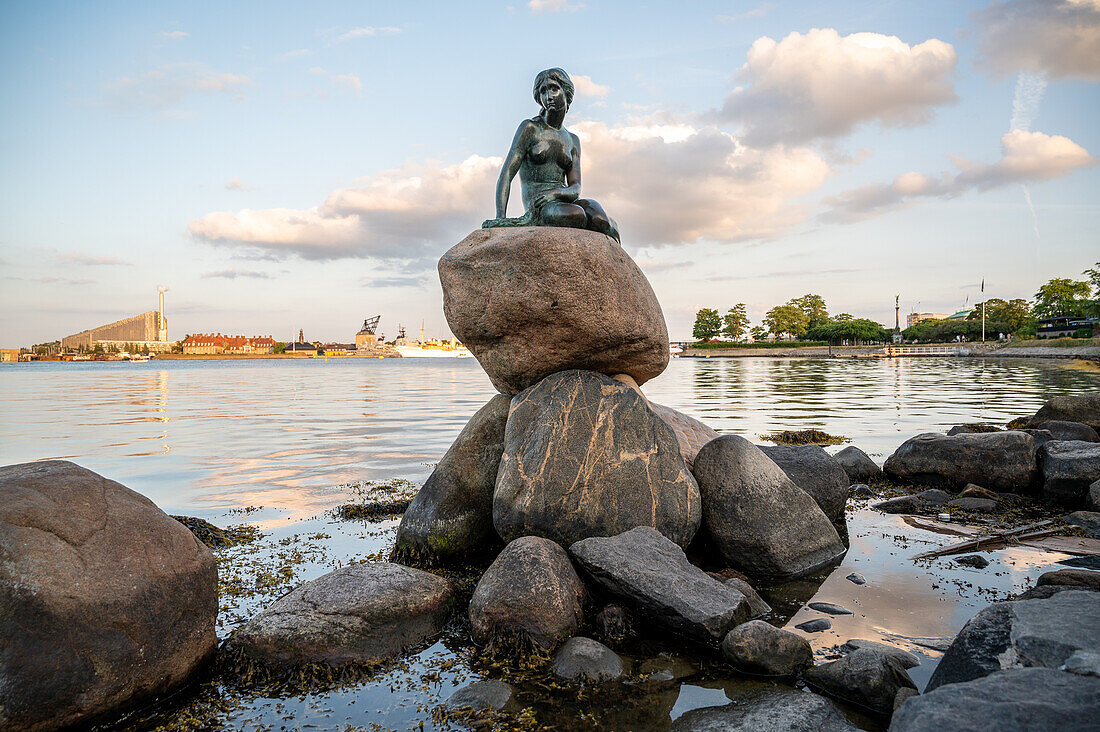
(218, 439)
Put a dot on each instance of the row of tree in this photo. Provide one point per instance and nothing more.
(804, 318)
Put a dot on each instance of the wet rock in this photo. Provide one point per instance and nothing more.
(1082, 408)
(1027, 698)
(530, 597)
(361, 613)
(487, 694)
(816, 472)
(1021, 633)
(1061, 430)
(773, 710)
(691, 434)
(858, 466)
(89, 572)
(865, 677)
(976, 491)
(904, 694)
(1079, 578)
(1001, 460)
(860, 490)
(900, 504)
(1041, 437)
(972, 428)
(584, 659)
(856, 578)
(653, 576)
(664, 668)
(815, 626)
(584, 455)
(757, 647)
(1069, 468)
(1092, 499)
(1087, 520)
(451, 517)
(977, 561)
(977, 505)
(758, 519)
(907, 660)
(829, 608)
(614, 624)
(756, 603)
(531, 301)
(934, 496)
(1083, 663)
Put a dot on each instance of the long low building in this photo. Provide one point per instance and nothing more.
(148, 329)
(216, 343)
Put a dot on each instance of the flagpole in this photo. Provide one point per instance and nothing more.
(983, 309)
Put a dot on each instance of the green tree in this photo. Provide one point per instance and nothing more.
(786, 319)
(735, 322)
(708, 324)
(1094, 279)
(279, 348)
(853, 330)
(1016, 314)
(759, 333)
(1062, 296)
(842, 317)
(813, 307)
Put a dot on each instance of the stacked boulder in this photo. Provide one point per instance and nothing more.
(579, 476)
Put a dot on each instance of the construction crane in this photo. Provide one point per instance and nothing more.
(370, 324)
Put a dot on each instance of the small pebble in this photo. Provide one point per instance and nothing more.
(830, 608)
(815, 626)
(857, 578)
(976, 561)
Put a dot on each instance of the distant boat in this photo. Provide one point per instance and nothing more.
(674, 350)
(433, 349)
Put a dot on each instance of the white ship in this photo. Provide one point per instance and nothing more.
(429, 349)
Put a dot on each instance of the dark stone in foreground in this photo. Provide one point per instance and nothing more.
(757, 647)
(1082, 408)
(976, 505)
(1092, 498)
(934, 496)
(92, 616)
(774, 710)
(584, 455)
(653, 575)
(900, 504)
(816, 625)
(451, 516)
(816, 472)
(759, 520)
(906, 659)
(532, 301)
(584, 659)
(858, 466)
(977, 561)
(976, 491)
(361, 613)
(865, 677)
(1004, 461)
(1080, 578)
(856, 578)
(756, 603)
(829, 608)
(1021, 633)
(1018, 699)
(1087, 520)
(1061, 430)
(1069, 468)
(487, 694)
(530, 597)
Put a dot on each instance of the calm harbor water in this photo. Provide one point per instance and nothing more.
(275, 442)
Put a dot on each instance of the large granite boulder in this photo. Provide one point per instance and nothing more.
(91, 613)
(1002, 461)
(1022, 633)
(816, 472)
(586, 660)
(1060, 430)
(1092, 498)
(361, 613)
(1089, 521)
(1018, 699)
(529, 598)
(864, 677)
(858, 466)
(776, 709)
(757, 647)
(1083, 408)
(451, 517)
(584, 455)
(690, 432)
(757, 518)
(1069, 468)
(653, 575)
(529, 302)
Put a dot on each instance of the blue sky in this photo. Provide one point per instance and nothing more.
(286, 166)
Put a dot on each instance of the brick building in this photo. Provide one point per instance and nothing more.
(216, 344)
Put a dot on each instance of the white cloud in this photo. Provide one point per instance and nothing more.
(757, 12)
(349, 81)
(296, 53)
(554, 6)
(588, 88)
(175, 35)
(368, 31)
(1027, 157)
(236, 184)
(822, 84)
(90, 260)
(168, 85)
(232, 273)
(1059, 38)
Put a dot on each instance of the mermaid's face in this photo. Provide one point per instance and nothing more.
(552, 95)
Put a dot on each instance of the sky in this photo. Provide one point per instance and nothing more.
(286, 166)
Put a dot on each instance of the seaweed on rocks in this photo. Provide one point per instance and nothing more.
(374, 501)
(218, 538)
(805, 437)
